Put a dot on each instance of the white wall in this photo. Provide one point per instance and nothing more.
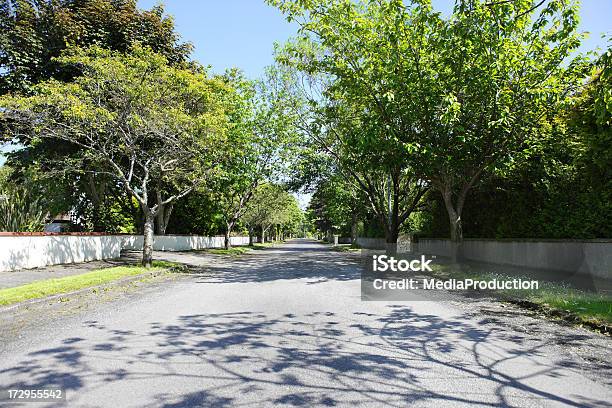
(181, 242)
(585, 257)
(589, 257)
(371, 243)
(35, 251)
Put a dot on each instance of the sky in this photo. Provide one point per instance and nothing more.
(242, 33)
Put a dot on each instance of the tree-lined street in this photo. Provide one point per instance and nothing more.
(151, 190)
(286, 326)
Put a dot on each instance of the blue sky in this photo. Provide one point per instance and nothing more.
(241, 33)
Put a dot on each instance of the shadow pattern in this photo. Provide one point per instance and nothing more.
(398, 359)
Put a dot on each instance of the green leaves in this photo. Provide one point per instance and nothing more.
(272, 205)
(445, 100)
(34, 32)
(153, 126)
(21, 210)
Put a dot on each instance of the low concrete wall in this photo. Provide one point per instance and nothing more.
(583, 257)
(590, 257)
(371, 243)
(182, 242)
(36, 250)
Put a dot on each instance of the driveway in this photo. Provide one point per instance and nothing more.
(286, 326)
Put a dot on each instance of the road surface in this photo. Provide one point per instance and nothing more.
(286, 327)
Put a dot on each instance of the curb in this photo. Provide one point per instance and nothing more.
(562, 315)
(117, 282)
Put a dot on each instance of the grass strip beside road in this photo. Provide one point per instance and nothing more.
(553, 298)
(590, 307)
(346, 248)
(239, 250)
(49, 287)
(231, 251)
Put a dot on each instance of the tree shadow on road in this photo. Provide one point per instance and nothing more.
(398, 358)
(271, 265)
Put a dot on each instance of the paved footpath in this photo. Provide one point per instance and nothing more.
(286, 327)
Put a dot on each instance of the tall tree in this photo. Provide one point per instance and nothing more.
(148, 123)
(439, 101)
(337, 206)
(503, 68)
(270, 206)
(367, 101)
(34, 32)
(261, 136)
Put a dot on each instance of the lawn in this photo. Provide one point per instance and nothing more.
(346, 248)
(590, 307)
(265, 245)
(49, 287)
(587, 307)
(232, 251)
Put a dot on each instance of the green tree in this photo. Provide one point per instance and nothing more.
(270, 207)
(292, 218)
(364, 96)
(502, 71)
(337, 207)
(422, 101)
(197, 213)
(260, 137)
(34, 32)
(21, 209)
(560, 186)
(150, 124)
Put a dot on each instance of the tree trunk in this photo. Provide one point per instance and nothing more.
(163, 217)
(391, 235)
(147, 245)
(456, 233)
(251, 237)
(354, 228)
(96, 190)
(159, 222)
(228, 231)
(263, 234)
(454, 219)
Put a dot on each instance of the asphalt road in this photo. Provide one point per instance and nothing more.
(286, 326)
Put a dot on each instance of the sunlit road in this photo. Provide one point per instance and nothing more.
(286, 326)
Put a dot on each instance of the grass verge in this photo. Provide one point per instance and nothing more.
(265, 245)
(49, 287)
(232, 251)
(239, 250)
(345, 248)
(592, 309)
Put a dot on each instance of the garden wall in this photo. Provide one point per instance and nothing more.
(371, 243)
(25, 251)
(35, 250)
(586, 257)
(181, 242)
(583, 257)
